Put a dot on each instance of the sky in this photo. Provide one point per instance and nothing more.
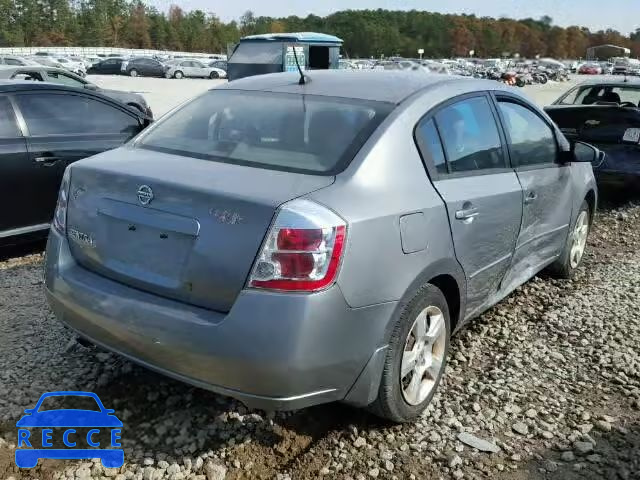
(622, 15)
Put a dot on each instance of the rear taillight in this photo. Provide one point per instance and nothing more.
(302, 251)
(60, 214)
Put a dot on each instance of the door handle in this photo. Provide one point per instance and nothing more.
(47, 160)
(530, 198)
(467, 214)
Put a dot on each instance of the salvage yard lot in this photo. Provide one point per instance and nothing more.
(551, 376)
(163, 94)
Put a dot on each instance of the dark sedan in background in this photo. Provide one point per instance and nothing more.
(606, 114)
(143, 67)
(64, 77)
(109, 66)
(44, 128)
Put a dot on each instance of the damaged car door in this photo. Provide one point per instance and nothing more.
(481, 192)
(546, 186)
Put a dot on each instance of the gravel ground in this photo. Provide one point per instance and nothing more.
(545, 385)
(548, 380)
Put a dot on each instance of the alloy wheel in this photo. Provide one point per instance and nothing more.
(580, 234)
(423, 355)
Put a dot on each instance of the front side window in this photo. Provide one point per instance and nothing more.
(306, 133)
(532, 140)
(470, 136)
(54, 114)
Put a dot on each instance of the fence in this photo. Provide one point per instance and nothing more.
(82, 51)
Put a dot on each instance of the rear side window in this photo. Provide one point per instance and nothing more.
(63, 79)
(8, 126)
(304, 133)
(429, 142)
(532, 140)
(470, 136)
(56, 114)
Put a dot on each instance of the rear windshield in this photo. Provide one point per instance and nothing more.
(301, 133)
(257, 52)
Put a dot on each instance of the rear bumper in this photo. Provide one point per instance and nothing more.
(272, 351)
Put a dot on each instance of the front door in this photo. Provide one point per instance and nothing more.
(482, 194)
(546, 185)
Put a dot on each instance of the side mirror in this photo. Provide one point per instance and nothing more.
(583, 152)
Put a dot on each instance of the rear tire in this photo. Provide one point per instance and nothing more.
(420, 350)
(214, 75)
(178, 75)
(133, 72)
(573, 252)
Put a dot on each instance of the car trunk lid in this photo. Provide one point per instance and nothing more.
(180, 227)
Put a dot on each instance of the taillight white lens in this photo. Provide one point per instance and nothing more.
(303, 249)
(60, 214)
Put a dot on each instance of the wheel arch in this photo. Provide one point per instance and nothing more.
(448, 276)
(592, 201)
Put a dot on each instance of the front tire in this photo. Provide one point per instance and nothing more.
(178, 75)
(416, 357)
(214, 75)
(133, 72)
(573, 252)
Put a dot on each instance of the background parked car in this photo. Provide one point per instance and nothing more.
(193, 69)
(48, 61)
(590, 69)
(607, 115)
(58, 126)
(221, 64)
(607, 68)
(142, 66)
(64, 77)
(73, 66)
(16, 60)
(109, 66)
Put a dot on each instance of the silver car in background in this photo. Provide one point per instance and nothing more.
(291, 244)
(193, 69)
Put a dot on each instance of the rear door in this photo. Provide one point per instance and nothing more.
(481, 192)
(546, 184)
(63, 127)
(19, 177)
(199, 70)
(187, 69)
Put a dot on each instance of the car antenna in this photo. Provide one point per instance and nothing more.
(302, 80)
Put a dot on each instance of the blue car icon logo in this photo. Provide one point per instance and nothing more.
(37, 431)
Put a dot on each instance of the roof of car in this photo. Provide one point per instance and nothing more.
(26, 85)
(7, 70)
(294, 37)
(386, 86)
(618, 82)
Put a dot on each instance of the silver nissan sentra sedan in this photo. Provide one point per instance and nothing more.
(291, 244)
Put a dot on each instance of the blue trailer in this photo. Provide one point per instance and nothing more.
(277, 52)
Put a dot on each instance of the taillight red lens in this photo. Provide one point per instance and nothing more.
(299, 239)
(311, 265)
